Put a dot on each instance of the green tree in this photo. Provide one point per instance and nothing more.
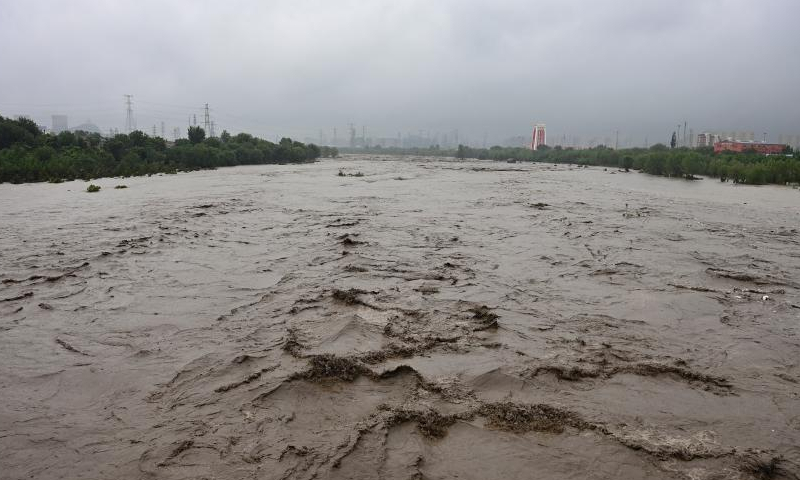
(29, 125)
(196, 135)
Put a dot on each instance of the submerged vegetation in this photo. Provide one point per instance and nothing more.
(342, 174)
(29, 155)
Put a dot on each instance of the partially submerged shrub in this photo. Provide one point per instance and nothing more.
(330, 367)
(521, 418)
(342, 174)
(349, 297)
(762, 468)
(485, 317)
(93, 188)
(430, 423)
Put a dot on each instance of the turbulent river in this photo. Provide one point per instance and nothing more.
(429, 319)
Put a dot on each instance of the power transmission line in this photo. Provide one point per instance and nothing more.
(207, 121)
(130, 125)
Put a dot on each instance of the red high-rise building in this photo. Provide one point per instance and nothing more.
(539, 136)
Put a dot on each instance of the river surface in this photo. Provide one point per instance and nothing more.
(429, 319)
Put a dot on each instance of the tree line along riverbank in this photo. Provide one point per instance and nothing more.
(29, 155)
(746, 167)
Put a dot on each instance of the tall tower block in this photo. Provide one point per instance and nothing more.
(539, 136)
(60, 123)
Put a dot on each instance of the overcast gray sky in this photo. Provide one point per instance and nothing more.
(584, 67)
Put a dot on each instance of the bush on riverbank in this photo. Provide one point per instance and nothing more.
(748, 167)
(29, 155)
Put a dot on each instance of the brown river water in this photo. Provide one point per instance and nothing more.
(429, 319)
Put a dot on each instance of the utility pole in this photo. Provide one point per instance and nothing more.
(194, 116)
(163, 133)
(352, 136)
(685, 124)
(129, 123)
(154, 130)
(207, 122)
(212, 129)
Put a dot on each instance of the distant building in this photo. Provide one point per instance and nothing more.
(706, 139)
(791, 140)
(417, 141)
(539, 136)
(743, 136)
(763, 148)
(60, 124)
(388, 142)
(87, 127)
(520, 141)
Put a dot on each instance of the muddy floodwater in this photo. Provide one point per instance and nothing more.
(430, 319)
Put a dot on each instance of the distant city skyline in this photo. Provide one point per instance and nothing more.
(292, 69)
(422, 138)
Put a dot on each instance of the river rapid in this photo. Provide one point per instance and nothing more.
(429, 319)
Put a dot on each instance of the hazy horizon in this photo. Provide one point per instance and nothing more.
(487, 70)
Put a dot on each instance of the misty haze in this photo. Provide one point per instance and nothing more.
(401, 240)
